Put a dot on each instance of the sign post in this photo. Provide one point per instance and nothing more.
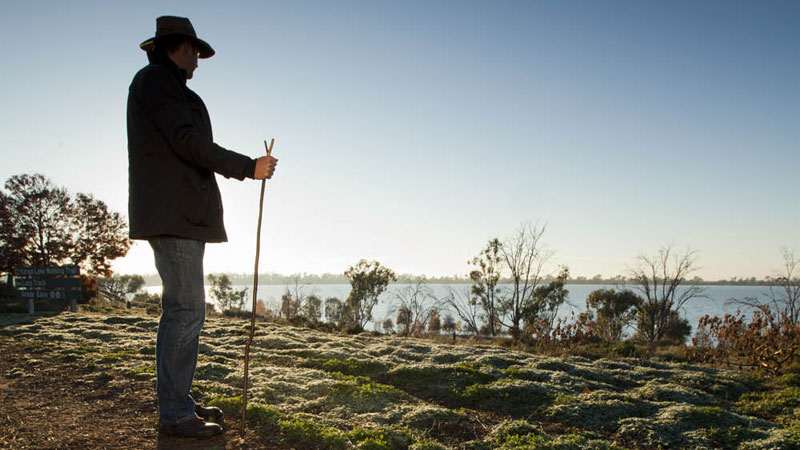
(48, 282)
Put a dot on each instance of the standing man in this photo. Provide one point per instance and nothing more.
(175, 204)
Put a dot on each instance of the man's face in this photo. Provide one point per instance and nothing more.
(186, 57)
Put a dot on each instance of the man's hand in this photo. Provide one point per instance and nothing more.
(265, 167)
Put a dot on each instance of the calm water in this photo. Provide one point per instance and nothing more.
(715, 303)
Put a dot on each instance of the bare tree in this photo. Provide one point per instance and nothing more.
(784, 291)
(466, 306)
(658, 279)
(300, 299)
(414, 304)
(525, 258)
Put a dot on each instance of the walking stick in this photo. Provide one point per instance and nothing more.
(255, 289)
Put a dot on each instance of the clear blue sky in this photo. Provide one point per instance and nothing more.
(413, 131)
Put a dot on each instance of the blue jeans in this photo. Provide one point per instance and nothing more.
(183, 311)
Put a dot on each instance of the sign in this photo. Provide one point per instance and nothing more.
(50, 295)
(68, 270)
(48, 283)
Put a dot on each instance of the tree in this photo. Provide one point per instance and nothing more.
(388, 326)
(99, 235)
(546, 301)
(12, 244)
(785, 289)
(224, 294)
(368, 280)
(404, 319)
(41, 224)
(435, 323)
(484, 284)
(118, 287)
(783, 298)
(525, 258)
(466, 305)
(261, 309)
(295, 301)
(40, 215)
(333, 310)
(290, 306)
(312, 307)
(658, 279)
(449, 324)
(414, 304)
(615, 310)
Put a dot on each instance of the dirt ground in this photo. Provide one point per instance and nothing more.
(50, 403)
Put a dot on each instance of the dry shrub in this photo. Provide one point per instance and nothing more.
(766, 342)
(563, 334)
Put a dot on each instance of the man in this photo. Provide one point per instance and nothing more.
(175, 204)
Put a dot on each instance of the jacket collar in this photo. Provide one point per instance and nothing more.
(162, 59)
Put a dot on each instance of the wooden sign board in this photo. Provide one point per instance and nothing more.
(48, 283)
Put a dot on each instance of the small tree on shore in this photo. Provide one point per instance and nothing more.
(615, 310)
(485, 278)
(414, 304)
(449, 324)
(546, 300)
(312, 308)
(368, 280)
(659, 279)
(466, 306)
(224, 294)
(435, 323)
(525, 258)
(333, 310)
(783, 297)
(118, 287)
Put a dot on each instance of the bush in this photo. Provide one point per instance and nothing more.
(615, 310)
(151, 303)
(765, 342)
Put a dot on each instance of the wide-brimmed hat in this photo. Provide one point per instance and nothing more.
(177, 26)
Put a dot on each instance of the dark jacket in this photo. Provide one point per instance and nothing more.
(172, 158)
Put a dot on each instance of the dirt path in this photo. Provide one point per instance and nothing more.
(52, 403)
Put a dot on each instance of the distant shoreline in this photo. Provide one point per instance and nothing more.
(337, 279)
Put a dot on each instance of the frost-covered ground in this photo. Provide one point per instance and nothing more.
(321, 390)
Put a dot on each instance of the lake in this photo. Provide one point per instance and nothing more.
(716, 301)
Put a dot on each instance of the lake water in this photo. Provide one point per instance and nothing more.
(715, 303)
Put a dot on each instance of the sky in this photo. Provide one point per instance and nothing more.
(412, 132)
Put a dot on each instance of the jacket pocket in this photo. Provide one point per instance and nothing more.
(197, 197)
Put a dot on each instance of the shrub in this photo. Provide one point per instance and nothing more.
(615, 310)
(765, 342)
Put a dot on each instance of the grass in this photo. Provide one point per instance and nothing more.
(319, 390)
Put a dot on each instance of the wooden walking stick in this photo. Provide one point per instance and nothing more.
(255, 289)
